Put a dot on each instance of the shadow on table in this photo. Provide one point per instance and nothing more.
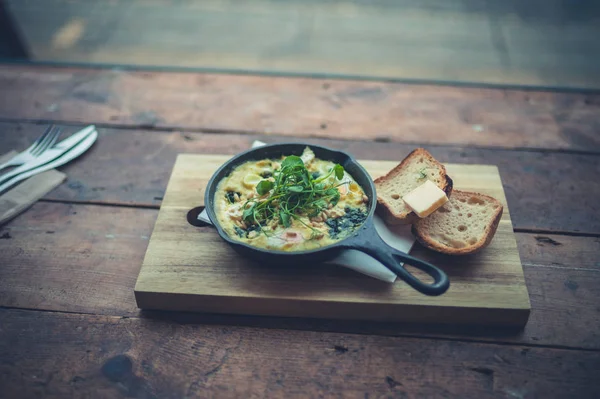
(12, 44)
(337, 326)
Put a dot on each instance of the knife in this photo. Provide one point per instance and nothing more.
(56, 151)
(69, 155)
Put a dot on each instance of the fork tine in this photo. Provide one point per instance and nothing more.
(54, 138)
(43, 146)
(38, 141)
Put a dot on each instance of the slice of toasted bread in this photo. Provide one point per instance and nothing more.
(413, 171)
(464, 225)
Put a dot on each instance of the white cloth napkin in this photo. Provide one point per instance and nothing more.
(398, 237)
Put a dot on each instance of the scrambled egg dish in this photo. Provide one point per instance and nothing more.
(290, 204)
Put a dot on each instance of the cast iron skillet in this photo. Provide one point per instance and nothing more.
(365, 238)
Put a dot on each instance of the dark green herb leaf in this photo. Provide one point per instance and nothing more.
(264, 186)
(230, 195)
(239, 232)
(248, 213)
(253, 227)
(295, 189)
(339, 171)
(285, 218)
(344, 224)
(292, 161)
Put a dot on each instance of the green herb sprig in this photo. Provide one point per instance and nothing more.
(292, 193)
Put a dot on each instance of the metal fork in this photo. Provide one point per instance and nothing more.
(45, 141)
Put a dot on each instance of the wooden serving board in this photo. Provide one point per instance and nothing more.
(189, 268)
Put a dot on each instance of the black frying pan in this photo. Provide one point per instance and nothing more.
(365, 239)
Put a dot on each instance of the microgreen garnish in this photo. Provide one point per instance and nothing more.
(264, 186)
(285, 219)
(423, 173)
(292, 192)
(339, 171)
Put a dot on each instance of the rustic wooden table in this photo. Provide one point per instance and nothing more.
(69, 326)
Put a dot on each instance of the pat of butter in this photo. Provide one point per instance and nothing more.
(425, 199)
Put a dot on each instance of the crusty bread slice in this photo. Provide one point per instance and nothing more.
(464, 225)
(413, 171)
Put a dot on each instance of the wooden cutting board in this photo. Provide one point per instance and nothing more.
(189, 268)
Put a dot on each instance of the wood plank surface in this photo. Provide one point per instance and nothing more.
(73, 256)
(82, 258)
(545, 190)
(153, 358)
(341, 109)
(189, 270)
(535, 42)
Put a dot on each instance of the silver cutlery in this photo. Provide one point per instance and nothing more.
(45, 141)
(72, 152)
(50, 154)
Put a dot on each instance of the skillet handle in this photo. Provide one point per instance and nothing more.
(391, 258)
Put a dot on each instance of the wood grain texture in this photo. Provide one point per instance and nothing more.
(55, 259)
(84, 259)
(545, 190)
(153, 358)
(303, 107)
(578, 252)
(189, 270)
